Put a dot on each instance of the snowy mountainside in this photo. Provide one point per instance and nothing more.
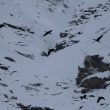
(30, 78)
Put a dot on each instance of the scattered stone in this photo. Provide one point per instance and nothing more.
(2, 25)
(48, 52)
(57, 94)
(18, 28)
(83, 97)
(6, 96)
(60, 46)
(11, 91)
(85, 90)
(3, 84)
(95, 16)
(14, 98)
(26, 55)
(80, 107)
(29, 107)
(44, 54)
(91, 96)
(83, 17)
(3, 67)
(63, 34)
(10, 59)
(36, 84)
(65, 87)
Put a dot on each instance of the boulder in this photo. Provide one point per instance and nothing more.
(93, 83)
(94, 74)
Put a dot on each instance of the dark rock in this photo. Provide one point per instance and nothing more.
(10, 59)
(95, 16)
(6, 96)
(91, 96)
(47, 53)
(50, 51)
(3, 67)
(29, 107)
(44, 54)
(2, 25)
(84, 17)
(26, 55)
(95, 61)
(80, 107)
(94, 83)
(11, 91)
(85, 90)
(14, 98)
(63, 34)
(3, 84)
(83, 97)
(92, 65)
(79, 33)
(36, 84)
(17, 27)
(83, 72)
(60, 46)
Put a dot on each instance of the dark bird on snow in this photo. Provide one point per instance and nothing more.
(83, 97)
(98, 39)
(48, 32)
(100, 98)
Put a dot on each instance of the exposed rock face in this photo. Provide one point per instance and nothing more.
(90, 76)
(95, 61)
(94, 83)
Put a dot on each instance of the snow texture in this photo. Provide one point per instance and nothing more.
(49, 81)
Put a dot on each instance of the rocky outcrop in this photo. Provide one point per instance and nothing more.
(29, 107)
(20, 28)
(94, 74)
(94, 83)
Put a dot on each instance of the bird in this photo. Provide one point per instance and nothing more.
(83, 97)
(100, 98)
(98, 39)
(48, 32)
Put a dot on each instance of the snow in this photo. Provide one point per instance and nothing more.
(58, 68)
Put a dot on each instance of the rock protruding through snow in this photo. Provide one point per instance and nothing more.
(94, 74)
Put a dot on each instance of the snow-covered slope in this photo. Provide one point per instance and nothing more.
(29, 78)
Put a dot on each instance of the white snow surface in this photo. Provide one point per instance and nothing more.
(57, 72)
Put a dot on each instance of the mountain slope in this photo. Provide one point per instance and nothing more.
(27, 77)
